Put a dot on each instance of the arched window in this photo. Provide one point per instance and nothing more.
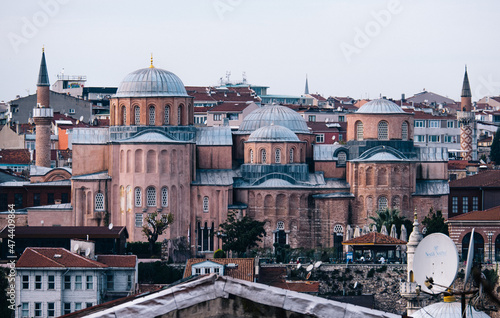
(342, 157)
(137, 115)
(205, 204)
(124, 116)
(152, 115)
(99, 202)
(291, 156)
(138, 197)
(167, 115)
(263, 155)
(164, 197)
(280, 225)
(151, 196)
(383, 133)
(277, 156)
(179, 115)
(382, 204)
(251, 155)
(404, 131)
(359, 130)
(280, 236)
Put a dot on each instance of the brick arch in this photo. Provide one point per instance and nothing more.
(164, 162)
(269, 205)
(138, 161)
(281, 205)
(382, 177)
(293, 205)
(151, 161)
(57, 174)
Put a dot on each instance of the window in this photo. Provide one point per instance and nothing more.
(263, 156)
(404, 131)
(99, 202)
(64, 198)
(38, 281)
(320, 138)
(18, 200)
(359, 130)
(197, 271)
(51, 309)
(67, 308)
(291, 156)
(72, 111)
(152, 115)
(50, 198)
(67, 282)
(339, 229)
(137, 115)
(312, 117)
(51, 282)
(124, 115)
(151, 196)
(166, 118)
(164, 197)
(382, 204)
(138, 220)
(36, 199)
(38, 309)
(78, 282)
(434, 138)
(216, 270)
(448, 138)
(475, 204)
(217, 117)
(251, 155)
(78, 306)
(383, 131)
(280, 225)
(88, 305)
(450, 124)
(26, 282)
(434, 124)
(90, 282)
(341, 158)
(138, 197)
(419, 124)
(341, 119)
(179, 115)
(465, 204)
(277, 156)
(419, 138)
(110, 283)
(129, 282)
(205, 204)
(25, 310)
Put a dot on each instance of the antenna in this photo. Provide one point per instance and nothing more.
(76, 248)
(436, 259)
(87, 252)
(110, 226)
(81, 118)
(310, 267)
(299, 266)
(318, 264)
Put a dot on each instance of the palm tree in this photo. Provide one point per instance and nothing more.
(388, 217)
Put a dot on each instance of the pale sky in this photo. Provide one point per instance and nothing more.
(360, 48)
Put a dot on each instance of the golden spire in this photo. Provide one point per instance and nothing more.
(151, 66)
(43, 48)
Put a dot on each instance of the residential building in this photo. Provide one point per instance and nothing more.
(437, 130)
(240, 268)
(229, 113)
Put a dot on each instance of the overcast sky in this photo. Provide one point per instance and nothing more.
(360, 48)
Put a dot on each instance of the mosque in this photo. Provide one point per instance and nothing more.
(153, 159)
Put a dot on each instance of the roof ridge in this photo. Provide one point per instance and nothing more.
(50, 259)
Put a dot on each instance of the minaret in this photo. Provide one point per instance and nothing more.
(42, 115)
(306, 90)
(466, 120)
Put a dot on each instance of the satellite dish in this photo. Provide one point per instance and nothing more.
(355, 285)
(87, 252)
(299, 265)
(77, 122)
(333, 137)
(436, 256)
(76, 248)
(110, 226)
(81, 118)
(310, 267)
(308, 275)
(318, 264)
(470, 257)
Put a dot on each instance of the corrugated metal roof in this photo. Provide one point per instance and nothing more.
(150, 137)
(432, 153)
(274, 133)
(214, 136)
(63, 206)
(432, 187)
(214, 177)
(93, 176)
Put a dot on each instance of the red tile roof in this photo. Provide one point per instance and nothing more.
(485, 179)
(229, 106)
(245, 269)
(424, 115)
(67, 232)
(492, 214)
(318, 97)
(15, 156)
(298, 286)
(118, 260)
(374, 238)
(460, 164)
(54, 257)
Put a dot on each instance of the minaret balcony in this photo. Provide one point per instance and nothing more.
(465, 117)
(43, 112)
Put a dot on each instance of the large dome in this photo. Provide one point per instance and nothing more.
(379, 106)
(273, 133)
(274, 115)
(151, 82)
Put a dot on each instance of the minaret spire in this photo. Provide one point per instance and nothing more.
(151, 66)
(43, 75)
(306, 90)
(466, 87)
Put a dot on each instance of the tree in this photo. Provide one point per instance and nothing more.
(389, 217)
(495, 148)
(155, 226)
(434, 223)
(240, 235)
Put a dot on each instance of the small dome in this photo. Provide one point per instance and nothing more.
(273, 133)
(274, 114)
(379, 106)
(151, 82)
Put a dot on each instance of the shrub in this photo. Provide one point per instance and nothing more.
(158, 273)
(219, 254)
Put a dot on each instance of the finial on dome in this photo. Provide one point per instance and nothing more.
(415, 217)
(43, 48)
(151, 66)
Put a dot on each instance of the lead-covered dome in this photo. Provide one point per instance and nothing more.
(273, 133)
(379, 106)
(274, 115)
(151, 82)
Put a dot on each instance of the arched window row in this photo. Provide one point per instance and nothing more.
(151, 197)
(150, 116)
(278, 156)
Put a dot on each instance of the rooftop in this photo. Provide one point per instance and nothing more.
(488, 178)
(244, 270)
(380, 106)
(374, 238)
(54, 257)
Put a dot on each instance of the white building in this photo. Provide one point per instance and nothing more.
(52, 282)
